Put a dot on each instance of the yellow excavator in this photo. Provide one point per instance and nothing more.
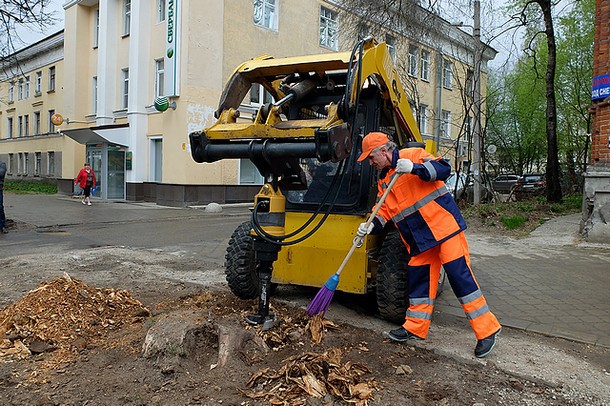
(305, 144)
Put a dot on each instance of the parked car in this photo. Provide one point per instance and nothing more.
(464, 192)
(504, 183)
(531, 184)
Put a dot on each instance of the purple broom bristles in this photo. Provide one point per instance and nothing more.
(321, 302)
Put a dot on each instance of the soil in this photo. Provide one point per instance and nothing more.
(73, 328)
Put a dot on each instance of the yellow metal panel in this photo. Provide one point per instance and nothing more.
(313, 261)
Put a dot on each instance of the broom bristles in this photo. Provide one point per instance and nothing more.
(321, 302)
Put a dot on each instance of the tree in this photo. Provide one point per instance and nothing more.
(546, 27)
(15, 14)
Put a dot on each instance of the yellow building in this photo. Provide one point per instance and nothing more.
(118, 56)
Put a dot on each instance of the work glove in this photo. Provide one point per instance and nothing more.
(363, 229)
(404, 165)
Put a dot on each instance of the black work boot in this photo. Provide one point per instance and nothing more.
(401, 335)
(485, 345)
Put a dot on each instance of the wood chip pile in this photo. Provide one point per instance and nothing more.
(58, 313)
(313, 375)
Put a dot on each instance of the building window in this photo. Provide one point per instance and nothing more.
(20, 163)
(412, 66)
(390, 41)
(10, 127)
(447, 74)
(445, 124)
(51, 163)
(159, 77)
(26, 163)
(20, 126)
(265, 14)
(11, 163)
(126, 16)
(27, 88)
(20, 90)
(156, 159)
(52, 79)
(125, 88)
(37, 122)
(11, 92)
(329, 28)
(26, 125)
(259, 96)
(51, 125)
(425, 65)
(160, 10)
(470, 83)
(37, 162)
(94, 95)
(96, 28)
(422, 118)
(38, 84)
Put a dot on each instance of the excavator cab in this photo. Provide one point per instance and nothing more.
(305, 144)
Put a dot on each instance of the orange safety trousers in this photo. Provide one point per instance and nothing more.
(423, 274)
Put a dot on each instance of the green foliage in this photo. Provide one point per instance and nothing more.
(30, 187)
(513, 222)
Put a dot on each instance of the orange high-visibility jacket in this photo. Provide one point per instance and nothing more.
(419, 204)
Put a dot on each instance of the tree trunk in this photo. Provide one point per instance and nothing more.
(553, 188)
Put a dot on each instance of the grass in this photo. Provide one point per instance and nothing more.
(30, 188)
(518, 219)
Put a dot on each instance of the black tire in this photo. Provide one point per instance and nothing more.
(391, 286)
(240, 265)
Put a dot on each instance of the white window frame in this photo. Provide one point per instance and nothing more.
(126, 17)
(52, 79)
(159, 84)
(445, 124)
(51, 163)
(38, 84)
(390, 41)
(26, 125)
(425, 65)
(36, 122)
(27, 87)
(447, 74)
(20, 126)
(265, 14)
(19, 163)
(11, 92)
(161, 10)
(9, 123)
(94, 94)
(20, 89)
(50, 122)
(96, 28)
(124, 88)
(413, 61)
(37, 163)
(259, 96)
(26, 162)
(329, 28)
(423, 118)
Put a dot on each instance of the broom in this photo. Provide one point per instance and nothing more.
(321, 301)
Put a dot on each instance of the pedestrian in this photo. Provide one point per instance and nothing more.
(432, 230)
(86, 180)
(3, 227)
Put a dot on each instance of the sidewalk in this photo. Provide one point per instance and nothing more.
(549, 283)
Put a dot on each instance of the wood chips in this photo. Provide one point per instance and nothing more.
(59, 313)
(312, 375)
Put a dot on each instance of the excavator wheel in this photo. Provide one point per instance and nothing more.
(392, 298)
(240, 265)
(392, 293)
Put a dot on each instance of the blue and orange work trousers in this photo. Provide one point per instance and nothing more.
(424, 271)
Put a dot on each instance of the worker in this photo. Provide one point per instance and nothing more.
(432, 229)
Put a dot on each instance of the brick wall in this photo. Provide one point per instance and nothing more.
(600, 135)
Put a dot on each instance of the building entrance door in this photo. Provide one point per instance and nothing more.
(94, 157)
(108, 163)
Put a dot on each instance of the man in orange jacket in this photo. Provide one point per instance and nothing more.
(432, 229)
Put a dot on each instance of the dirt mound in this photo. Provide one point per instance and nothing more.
(58, 313)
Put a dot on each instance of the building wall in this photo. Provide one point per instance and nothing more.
(595, 226)
(214, 40)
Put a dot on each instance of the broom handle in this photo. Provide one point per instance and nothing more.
(368, 222)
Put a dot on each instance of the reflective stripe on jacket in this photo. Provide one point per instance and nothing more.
(419, 204)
